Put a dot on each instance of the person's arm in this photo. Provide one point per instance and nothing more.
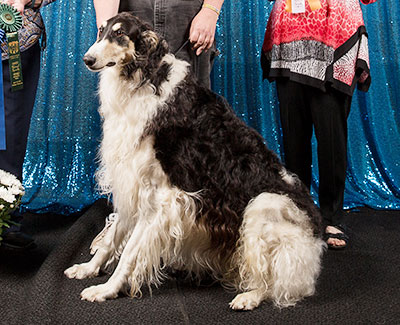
(105, 9)
(20, 4)
(202, 30)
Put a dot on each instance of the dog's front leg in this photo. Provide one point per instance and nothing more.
(139, 262)
(104, 250)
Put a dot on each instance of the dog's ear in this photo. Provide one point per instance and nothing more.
(133, 33)
(150, 39)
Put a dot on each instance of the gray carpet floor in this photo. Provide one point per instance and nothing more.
(360, 285)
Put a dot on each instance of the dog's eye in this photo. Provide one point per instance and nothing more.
(119, 32)
(101, 29)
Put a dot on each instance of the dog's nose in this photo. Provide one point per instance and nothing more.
(89, 60)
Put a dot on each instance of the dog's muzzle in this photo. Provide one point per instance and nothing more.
(90, 62)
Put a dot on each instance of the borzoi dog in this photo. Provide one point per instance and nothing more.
(193, 186)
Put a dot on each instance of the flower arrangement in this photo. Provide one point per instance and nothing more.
(11, 192)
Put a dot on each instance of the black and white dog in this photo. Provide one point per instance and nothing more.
(194, 188)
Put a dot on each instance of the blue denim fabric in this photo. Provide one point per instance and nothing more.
(171, 19)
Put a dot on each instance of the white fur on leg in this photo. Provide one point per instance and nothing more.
(100, 293)
(157, 235)
(105, 249)
(134, 256)
(247, 300)
(278, 253)
(83, 271)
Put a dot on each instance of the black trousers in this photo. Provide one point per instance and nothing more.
(303, 107)
(18, 108)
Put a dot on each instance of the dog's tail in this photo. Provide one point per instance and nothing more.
(278, 251)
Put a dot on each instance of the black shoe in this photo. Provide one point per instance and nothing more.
(17, 240)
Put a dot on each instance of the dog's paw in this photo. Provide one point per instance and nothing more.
(245, 301)
(82, 271)
(99, 293)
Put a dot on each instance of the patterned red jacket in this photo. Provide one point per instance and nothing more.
(328, 45)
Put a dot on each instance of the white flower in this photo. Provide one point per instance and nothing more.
(6, 196)
(8, 179)
(15, 190)
(1, 206)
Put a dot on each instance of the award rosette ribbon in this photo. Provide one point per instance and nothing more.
(2, 115)
(10, 23)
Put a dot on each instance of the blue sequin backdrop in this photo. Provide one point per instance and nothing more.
(65, 131)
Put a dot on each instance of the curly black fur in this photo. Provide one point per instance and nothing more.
(202, 145)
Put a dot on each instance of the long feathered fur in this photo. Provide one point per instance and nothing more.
(194, 187)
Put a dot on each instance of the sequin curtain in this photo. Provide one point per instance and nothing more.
(65, 129)
(373, 177)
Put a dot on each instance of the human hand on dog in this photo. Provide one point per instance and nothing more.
(202, 30)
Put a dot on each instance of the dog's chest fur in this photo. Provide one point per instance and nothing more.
(127, 158)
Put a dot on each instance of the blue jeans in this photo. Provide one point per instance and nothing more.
(172, 19)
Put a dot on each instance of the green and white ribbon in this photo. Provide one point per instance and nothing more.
(2, 117)
(11, 22)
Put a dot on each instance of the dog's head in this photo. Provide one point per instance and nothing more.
(124, 41)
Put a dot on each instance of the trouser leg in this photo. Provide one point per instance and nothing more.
(301, 108)
(18, 108)
(329, 112)
(296, 125)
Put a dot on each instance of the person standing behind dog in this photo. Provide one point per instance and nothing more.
(176, 21)
(18, 105)
(317, 52)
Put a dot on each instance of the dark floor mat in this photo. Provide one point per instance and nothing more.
(358, 285)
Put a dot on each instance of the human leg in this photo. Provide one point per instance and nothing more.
(18, 108)
(330, 111)
(296, 125)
